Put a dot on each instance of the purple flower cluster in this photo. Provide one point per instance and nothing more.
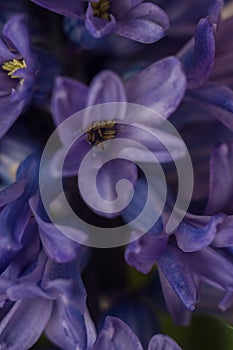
(61, 60)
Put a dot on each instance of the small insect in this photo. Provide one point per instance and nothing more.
(101, 131)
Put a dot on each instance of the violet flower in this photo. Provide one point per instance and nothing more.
(198, 251)
(22, 76)
(137, 20)
(18, 71)
(153, 87)
(22, 216)
(39, 295)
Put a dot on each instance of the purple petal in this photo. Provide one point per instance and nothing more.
(105, 87)
(16, 31)
(73, 158)
(69, 8)
(163, 342)
(221, 178)
(160, 86)
(115, 333)
(12, 192)
(224, 237)
(217, 100)
(69, 97)
(146, 23)
(98, 27)
(143, 253)
(108, 177)
(192, 237)
(57, 246)
(180, 314)
(177, 271)
(66, 327)
(64, 280)
(24, 323)
(198, 55)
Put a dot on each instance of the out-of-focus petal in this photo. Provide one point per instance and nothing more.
(198, 55)
(216, 100)
(221, 178)
(163, 342)
(69, 8)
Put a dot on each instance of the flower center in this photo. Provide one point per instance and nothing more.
(12, 66)
(101, 131)
(101, 9)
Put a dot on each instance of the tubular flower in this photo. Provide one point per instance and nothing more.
(137, 20)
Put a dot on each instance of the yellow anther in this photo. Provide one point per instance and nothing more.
(12, 66)
(101, 9)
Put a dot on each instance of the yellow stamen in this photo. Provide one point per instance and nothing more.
(101, 9)
(12, 66)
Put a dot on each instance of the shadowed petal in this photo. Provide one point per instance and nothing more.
(217, 100)
(70, 8)
(115, 333)
(143, 253)
(212, 267)
(221, 178)
(163, 342)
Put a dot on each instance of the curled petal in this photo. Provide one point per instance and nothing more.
(191, 238)
(198, 55)
(163, 342)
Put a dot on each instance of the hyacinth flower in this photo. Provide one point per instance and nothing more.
(22, 74)
(22, 214)
(39, 295)
(198, 251)
(115, 333)
(137, 20)
(153, 87)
